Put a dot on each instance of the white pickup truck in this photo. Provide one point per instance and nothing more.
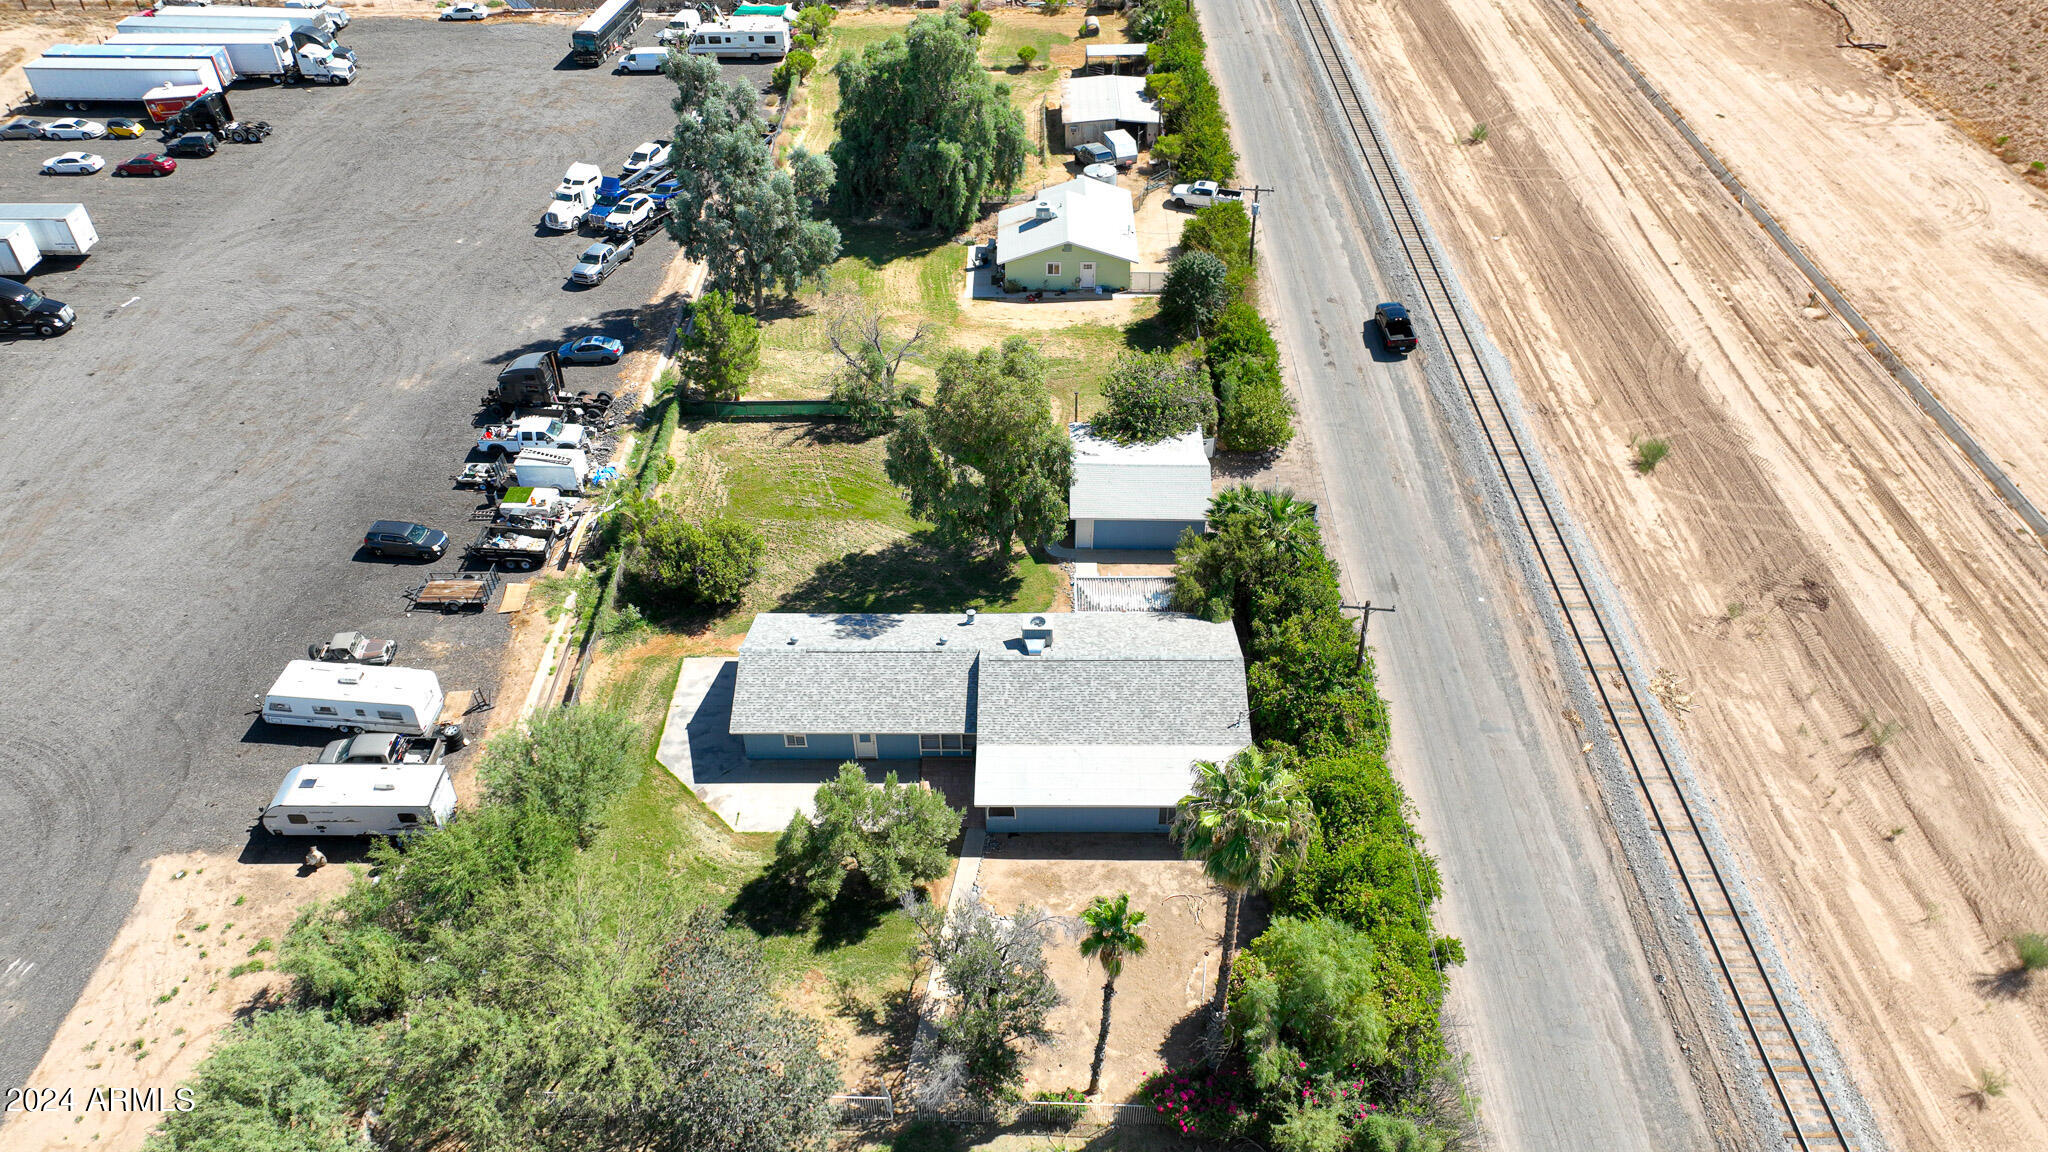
(1203, 193)
(529, 432)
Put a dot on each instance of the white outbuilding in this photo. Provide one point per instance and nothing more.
(1137, 495)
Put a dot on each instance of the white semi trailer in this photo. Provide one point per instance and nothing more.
(57, 229)
(303, 24)
(82, 81)
(267, 54)
(18, 252)
(215, 54)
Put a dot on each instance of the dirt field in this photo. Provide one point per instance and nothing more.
(1983, 62)
(1859, 622)
(1160, 994)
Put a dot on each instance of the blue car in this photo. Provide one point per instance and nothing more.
(593, 350)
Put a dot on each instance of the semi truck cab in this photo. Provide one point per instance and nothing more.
(25, 311)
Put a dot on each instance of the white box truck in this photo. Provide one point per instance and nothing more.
(355, 698)
(58, 229)
(565, 469)
(78, 81)
(360, 800)
(215, 54)
(253, 53)
(18, 251)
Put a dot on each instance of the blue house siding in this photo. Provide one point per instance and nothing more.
(1077, 820)
(1142, 533)
(828, 746)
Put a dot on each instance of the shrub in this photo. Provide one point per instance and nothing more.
(1255, 414)
(1305, 994)
(927, 1136)
(1223, 230)
(722, 348)
(680, 564)
(979, 21)
(1026, 54)
(1153, 396)
(1197, 288)
(569, 762)
(2032, 950)
(1240, 333)
(1649, 454)
(281, 1080)
(815, 19)
(794, 68)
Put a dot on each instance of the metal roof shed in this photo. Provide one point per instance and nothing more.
(1137, 495)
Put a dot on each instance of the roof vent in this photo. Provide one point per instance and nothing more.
(942, 641)
(971, 614)
(1044, 210)
(792, 638)
(1037, 636)
(383, 787)
(350, 674)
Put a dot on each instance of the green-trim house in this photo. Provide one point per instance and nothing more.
(1079, 235)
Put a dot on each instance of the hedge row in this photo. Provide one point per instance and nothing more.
(1197, 137)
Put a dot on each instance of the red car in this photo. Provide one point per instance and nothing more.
(147, 164)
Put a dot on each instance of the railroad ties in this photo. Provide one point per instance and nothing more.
(1726, 935)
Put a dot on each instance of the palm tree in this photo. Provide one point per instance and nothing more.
(1284, 525)
(1112, 938)
(1245, 821)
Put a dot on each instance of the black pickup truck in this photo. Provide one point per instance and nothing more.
(1397, 331)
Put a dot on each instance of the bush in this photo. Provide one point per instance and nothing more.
(568, 762)
(793, 70)
(1153, 396)
(680, 564)
(284, 1081)
(928, 1136)
(1223, 230)
(1026, 54)
(2032, 950)
(1240, 333)
(1197, 288)
(815, 19)
(979, 21)
(1255, 414)
(1305, 994)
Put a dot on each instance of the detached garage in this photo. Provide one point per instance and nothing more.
(1137, 495)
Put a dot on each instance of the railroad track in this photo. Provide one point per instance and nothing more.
(1728, 938)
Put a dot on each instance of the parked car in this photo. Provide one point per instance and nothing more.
(367, 748)
(599, 261)
(404, 538)
(1397, 331)
(195, 144)
(74, 129)
(22, 129)
(147, 164)
(74, 164)
(465, 11)
(123, 129)
(592, 350)
(353, 648)
(642, 60)
(629, 213)
(652, 154)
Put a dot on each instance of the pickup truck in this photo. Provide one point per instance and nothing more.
(1397, 331)
(529, 432)
(353, 648)
(1203, 193)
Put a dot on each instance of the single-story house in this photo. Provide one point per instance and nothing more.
(1081, 234)
(1077, 721)
(1137, 495)
(1094, 105)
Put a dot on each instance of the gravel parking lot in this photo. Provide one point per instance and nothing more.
(274, 347)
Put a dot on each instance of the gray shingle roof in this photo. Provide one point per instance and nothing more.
(1106, 678)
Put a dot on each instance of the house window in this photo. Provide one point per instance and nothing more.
(295, 818)
(383, 715)
(408, 818)
(324, 710)
(1052, 267)
(279, 706)
(796, 741)
(1166, 815)
(1002, 813)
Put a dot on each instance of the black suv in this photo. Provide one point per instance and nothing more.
(403, 538)
(194, 144)
(1397, 331)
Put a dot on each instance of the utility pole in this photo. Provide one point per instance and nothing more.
(1365, 612)
(1255, 190)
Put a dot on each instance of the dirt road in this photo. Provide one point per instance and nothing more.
(1858, 622)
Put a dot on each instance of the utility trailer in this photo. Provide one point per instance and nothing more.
(454, 591)
(518, 549)
(488, 477)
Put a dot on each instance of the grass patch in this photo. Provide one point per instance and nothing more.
(2032, 951)
(1649, 454)
(1877, 732)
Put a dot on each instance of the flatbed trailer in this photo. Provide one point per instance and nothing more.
(518, 549)
(454, 591)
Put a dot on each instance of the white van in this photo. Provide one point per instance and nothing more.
(644, 59)
(751, 37)
(354, 698)
(564, 469)
(360, 800)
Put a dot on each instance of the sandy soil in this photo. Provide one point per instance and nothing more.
(1158, 993)
(1983, 62)
(1858, 622)
(164, 992)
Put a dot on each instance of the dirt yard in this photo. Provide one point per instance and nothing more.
(1860, 624)
(1160, 995)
